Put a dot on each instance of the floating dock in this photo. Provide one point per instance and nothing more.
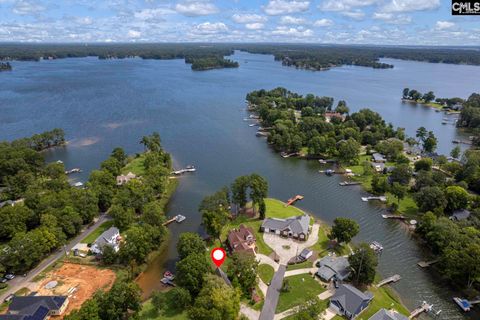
(349, 183)
(425, 307)
(464, 304)
(185, 170)
(426, 264)
(388, 280)
(74, 170)
(372, 198)
(393, 216)
(178, 219)
(293, 200)
(288, 155)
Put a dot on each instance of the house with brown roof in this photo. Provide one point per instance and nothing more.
(242, 239)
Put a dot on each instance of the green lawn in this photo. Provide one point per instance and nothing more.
(302, 288)
(149, 313)
(277, 209)
(407, 205)
(302, 265)
(136, 165)
(323, 303)
(322, 244)
(97, 232)
(384, 297)
(265, 272)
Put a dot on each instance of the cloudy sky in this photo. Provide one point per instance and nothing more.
(427, 22)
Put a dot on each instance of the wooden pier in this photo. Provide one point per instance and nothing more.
(178, 218)
(393, 216)
(425, 307)
(349, 183)
(293, 200)
(426, 264)
(388, 280)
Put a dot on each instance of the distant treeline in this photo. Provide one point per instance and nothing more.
(470, 115)
(42, 141)
(5, 66)
(208, 63)
(307, 56)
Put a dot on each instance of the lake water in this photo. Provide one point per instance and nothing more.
(102, 104)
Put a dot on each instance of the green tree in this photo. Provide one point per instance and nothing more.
(379, 184)
(140, 240)
(191, 271)
(88, 311)
(363, 264)
(159, 300)
(243, 270)
(401, 174)
(262, 209)
(428, 97)
(455, 153)
(421, 134)
(430, 143)
(399, 191)
(348, 150)
(215, 214)
(120, 155)
(405, 93)
(109, 256)
(179, 298)
(430, 198)
(121, 302)
(190, 243)
(457, 198)
(122, 218)
(424, 164)
(258, 189)
(103, 184)
(153, 214)
(239, 191)
(344, 230)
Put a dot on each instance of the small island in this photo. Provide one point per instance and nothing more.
(208, 63)
(5, 66)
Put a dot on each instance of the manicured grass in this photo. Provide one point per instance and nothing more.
(22, 292)
(136, 166)
(302, 265)
(302, 288)
(323, 303)
(384, 297)
(407, 205)
(4, 289)
(277, 209)
(265, 272)
(322, 244)
(149, 313)
(97, 232)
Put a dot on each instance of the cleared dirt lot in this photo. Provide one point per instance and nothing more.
(79, 282)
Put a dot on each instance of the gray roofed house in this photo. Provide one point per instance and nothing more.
(332, 266)
(110, 237)
(384, 314)
(293, 227)
(378, 157)
(348, 301)
(35, 307)
(459, 215)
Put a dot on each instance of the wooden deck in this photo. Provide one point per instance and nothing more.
(388, 280)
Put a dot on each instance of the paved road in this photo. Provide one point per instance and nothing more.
(20, 282)
(271, 300)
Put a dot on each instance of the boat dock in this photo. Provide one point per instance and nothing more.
(74, 170)
(426, 264)
(425, 307)
(349, 183)
(388, 280)
(371, 198)
(185, 170)
(393, 216)
(178, 218)
(464, 304)
(288, 155)
(293, 200)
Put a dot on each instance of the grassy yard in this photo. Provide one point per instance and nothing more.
(136, 165)
(323, 303)
(384, 297)
(277, 209)
(97, 232)
(265, 272)
(302, 288)
(149, 313)
(302, 265)
(407, 205)
(322, 244)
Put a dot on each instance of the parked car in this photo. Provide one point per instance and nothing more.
(9, 297)
(10, 276)
(3, 280)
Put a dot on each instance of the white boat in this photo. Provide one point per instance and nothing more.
(376, 246)
(179, 218)
(464, 304)
(78, 184)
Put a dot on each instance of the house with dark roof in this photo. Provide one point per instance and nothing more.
(242, 240)
(460, 215)
(378, 157)
(35, 307)
(293, 227)
(348, 301)
(384, 314)
(333, 267)
(110, 237)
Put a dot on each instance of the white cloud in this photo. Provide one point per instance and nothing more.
(210, 28)
(323, 23)
(255, 26)
(248, 18)
(344, 5)
(356, 15)
(27, 7)
(392, 18)
(196, 8)
(279, 7)
(292, 32)
(291, 20)
(444, 25)
(152, 14)
(134, 34)
(84, 20)
(410, 5)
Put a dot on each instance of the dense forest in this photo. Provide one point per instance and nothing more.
(5, 66)
(470, 115)
(432, 189)
(208, 63)
(314, 57)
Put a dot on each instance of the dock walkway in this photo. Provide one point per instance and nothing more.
(393, 278)
(426, 264)
(425, 307)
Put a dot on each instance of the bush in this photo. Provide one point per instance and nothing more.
(3, 285)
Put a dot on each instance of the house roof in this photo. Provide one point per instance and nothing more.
(338, 265)
(460, 215)
(238, 238)
(107, 234)
(384, 314)
(351, 299)
(33, 307)
(378, 157)
(296, 225)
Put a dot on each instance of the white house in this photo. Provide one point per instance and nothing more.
(110, 237)
(122, 179)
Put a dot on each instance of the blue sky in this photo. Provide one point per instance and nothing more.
(418, 22)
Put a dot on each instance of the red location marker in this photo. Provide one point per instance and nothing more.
(218, 256)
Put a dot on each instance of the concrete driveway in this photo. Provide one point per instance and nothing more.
(271, 299)
(287, 248)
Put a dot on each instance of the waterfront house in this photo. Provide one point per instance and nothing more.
(35, 307)
(460, 215)
(378, 166)
(378, 157)
(242, 240)
(110, 237)
(333, 267)
(348, 301)
(293, 227)
(384, 314)
(330, 115)
(122, 179)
